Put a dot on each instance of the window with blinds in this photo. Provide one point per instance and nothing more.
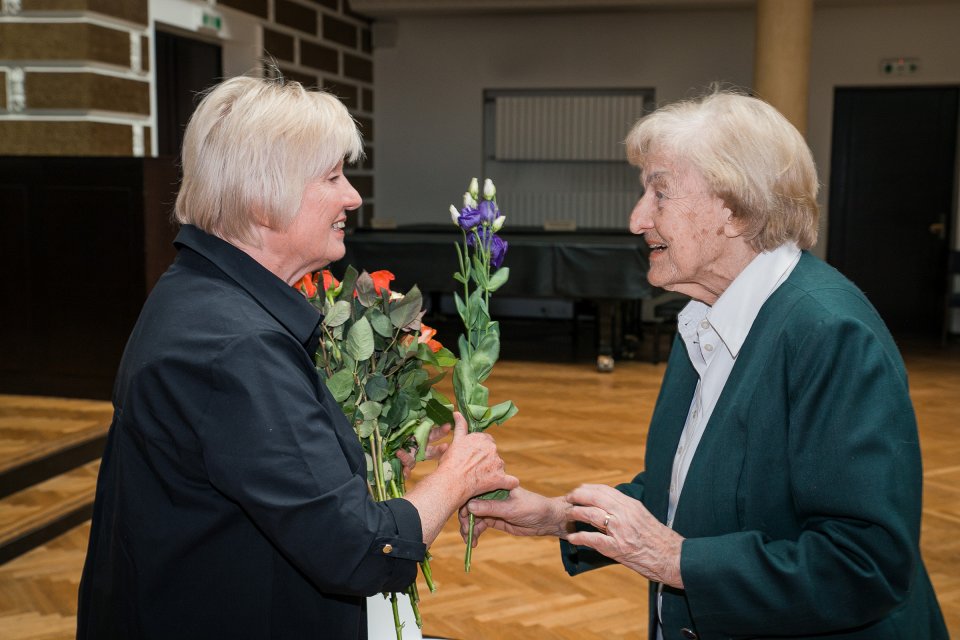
(558, 157)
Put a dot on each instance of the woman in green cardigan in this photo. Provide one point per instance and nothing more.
(782, 486)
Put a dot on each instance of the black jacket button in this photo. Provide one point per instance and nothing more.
(689, 634)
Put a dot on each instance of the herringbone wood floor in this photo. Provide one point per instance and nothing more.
(575, 425)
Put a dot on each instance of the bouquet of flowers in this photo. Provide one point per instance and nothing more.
(380, 362)
(480, 256)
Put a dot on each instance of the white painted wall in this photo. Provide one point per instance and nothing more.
(429, 83)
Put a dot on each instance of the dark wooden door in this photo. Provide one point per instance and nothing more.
(185, 67)
(892, 176)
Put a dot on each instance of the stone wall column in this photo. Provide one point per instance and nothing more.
(782, 58)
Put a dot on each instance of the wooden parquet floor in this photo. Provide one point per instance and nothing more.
(33, 427)
(575, 425)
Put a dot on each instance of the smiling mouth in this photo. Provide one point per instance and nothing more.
(339, 225)
(657, 248)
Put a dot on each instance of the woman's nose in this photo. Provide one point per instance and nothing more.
(640, 218)
(352, 197)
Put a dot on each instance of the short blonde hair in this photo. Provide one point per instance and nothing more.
(749, 154)
(250, 149)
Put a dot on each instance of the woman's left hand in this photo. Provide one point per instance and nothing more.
(409, 458)
(627, 533)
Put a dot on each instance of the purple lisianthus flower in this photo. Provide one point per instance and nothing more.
(488, 211)
(498, 250)
(469, 218)
(492, 242)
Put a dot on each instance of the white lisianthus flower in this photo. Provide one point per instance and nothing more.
(474, 189)
(498, 223)
(469, 201)
(454, 215)
(396, 295)
(489, 191)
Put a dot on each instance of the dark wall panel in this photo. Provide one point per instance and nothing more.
(82, 245)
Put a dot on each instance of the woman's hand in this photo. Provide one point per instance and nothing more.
(468, 467)
(628, 533)
(472, 463)
(408, 458)
(524, 513)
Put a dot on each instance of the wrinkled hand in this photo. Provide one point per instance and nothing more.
(524, 513)
(408, 458)
(633, 537)
(472, 460)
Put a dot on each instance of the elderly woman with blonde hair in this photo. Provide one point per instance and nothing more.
(782, 485)
(232, 500)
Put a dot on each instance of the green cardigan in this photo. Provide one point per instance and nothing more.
(801, 509)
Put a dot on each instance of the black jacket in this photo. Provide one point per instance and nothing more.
(232, 500)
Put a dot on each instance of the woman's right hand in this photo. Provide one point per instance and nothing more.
(524, 513)
(469, 467)
(472, 462)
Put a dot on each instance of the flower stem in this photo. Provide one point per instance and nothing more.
(466, 559)
(415, 604)
(428, 573)
(396, 615)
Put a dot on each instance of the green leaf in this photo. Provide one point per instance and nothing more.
(496, 494)
(380, 322)
(442, 399)
(370, 409)
(340, 385)
(338, 314)
(498, 414)
(445, 358)
(398, 409)
(485, 356)
(405, 310)
(425, 354)
(479, 273)
(387, 473)
(366, 292)
(479, 396)
(397, 467)
(438, 412)
(498, 279)
(365, 430)
(459, 277)
(464, 347)
(347, 284)
(377, 387)
(423, 389)
(461, 307)
(477, 315)
(463, 387)
(359, 342)
(477, 411)
(422, 435)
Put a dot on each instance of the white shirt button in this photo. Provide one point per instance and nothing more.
(708, 347)
(704, 324)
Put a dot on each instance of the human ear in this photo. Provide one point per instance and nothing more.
(733, 226)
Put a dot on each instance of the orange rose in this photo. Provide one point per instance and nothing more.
(307, 285)
(426, 337)
(329, 282)
(381, 280)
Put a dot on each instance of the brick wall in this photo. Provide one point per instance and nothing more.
(75, 78)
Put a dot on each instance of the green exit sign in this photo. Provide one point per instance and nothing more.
(212, 21)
